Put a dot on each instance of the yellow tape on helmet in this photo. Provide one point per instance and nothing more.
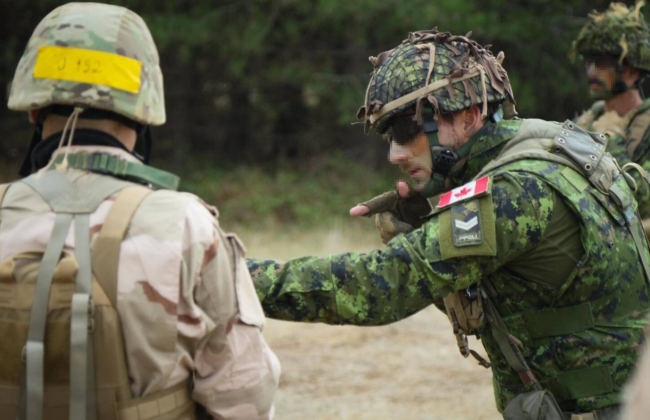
(87, 66)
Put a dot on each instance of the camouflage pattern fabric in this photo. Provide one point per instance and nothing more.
(186, 303)
(407, 68)
(632, 145)
(94, 27)
(619, 31)
(549, 244)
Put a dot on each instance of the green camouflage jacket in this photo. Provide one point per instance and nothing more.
(632, 146)
(542, 235)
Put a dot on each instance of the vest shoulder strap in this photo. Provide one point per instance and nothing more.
(3, 191)
(638, 130)
(587, 118)
(106, 249)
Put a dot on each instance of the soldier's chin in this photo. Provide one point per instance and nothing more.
(417, 185)
(600, 94)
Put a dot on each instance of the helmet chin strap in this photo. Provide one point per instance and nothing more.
(444, 158)
(618, 87)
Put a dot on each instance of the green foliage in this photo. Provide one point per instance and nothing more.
(301, 196)
(281, 80)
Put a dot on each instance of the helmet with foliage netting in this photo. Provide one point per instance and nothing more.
(448, 72)
(619, 31)
(93, 55)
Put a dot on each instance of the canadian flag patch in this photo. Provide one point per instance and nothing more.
(464, 192)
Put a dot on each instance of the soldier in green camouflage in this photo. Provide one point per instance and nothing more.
(537, 213)
(615, 47)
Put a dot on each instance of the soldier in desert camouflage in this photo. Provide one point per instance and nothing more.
(144, 309)
(615, 48)
(531, 238)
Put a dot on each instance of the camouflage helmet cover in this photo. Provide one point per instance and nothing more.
(118, 35)
(619, 31)
(449, 72)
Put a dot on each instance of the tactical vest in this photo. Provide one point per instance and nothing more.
(601, 292)
(66, 358)
(637, 129)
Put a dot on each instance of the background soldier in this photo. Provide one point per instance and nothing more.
(162, 294)
(524, 241)
(615, 46)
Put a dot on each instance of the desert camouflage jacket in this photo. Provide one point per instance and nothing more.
(542, 236)
(176, 257)
(630, 143)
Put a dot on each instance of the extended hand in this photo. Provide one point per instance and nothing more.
(395, 212)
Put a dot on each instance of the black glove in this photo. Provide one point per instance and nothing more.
(395, 215)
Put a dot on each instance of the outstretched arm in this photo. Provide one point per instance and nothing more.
(413, 270)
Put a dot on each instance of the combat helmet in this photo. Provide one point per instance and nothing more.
(619, 31)
(92, 55)
(450, 73)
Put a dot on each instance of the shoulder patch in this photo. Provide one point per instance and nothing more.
(468, 229)
(472, 189)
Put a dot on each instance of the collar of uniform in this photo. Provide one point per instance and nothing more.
(83, 137)
(487, 144)
(111, 151)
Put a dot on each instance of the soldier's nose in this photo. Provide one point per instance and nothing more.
(398, 154)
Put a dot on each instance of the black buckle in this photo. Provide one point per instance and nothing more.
(95, 163)
(444, 161)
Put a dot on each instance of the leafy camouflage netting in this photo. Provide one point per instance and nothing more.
(618, 31)
(90, 44)
(457, 71)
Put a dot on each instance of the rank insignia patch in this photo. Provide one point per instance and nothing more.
(466, 224)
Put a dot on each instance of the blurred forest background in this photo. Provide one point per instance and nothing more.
(262, 94)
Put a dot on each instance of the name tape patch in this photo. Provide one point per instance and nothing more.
(469, 190)
(86, 66)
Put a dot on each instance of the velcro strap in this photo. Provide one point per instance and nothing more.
(103, 163)
(559, 321)
(580, 383)
(159, 404)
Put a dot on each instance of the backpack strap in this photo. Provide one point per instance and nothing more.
(82, 354)
(35, 346)
(106, 250)
(70, 204)
(3, 191)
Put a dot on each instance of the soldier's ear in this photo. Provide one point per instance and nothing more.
(630, 75)
(472, 120)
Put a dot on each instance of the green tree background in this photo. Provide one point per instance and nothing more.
(262, 94)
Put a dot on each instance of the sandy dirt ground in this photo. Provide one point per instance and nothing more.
(410, 370)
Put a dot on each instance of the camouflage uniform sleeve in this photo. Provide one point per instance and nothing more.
(642, 193)
(413, 270)
(235, 373)
(616, 147)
